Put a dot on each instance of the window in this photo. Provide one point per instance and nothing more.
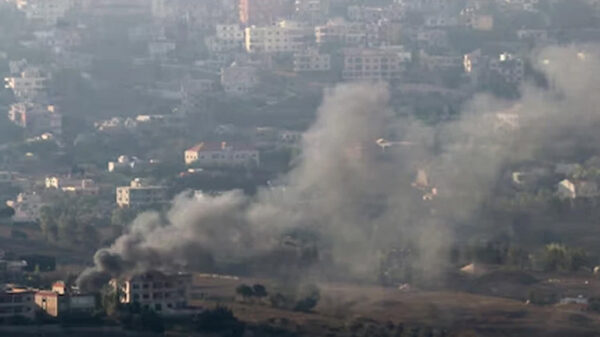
(158, 307)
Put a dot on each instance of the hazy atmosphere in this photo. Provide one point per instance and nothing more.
(300, 168)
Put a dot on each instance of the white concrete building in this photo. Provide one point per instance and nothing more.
(75, 186)
(46, 12)
(424, 5)
(386, 63)
(222, 154)
(568, 189)
(164, 294)
(440, 20)
(509, 67)
(230, 32)
(311, 9)
(522, 5)
(226, 38)
(365, 13)
(133, 164)
(36, 118)
(535, 35)
(283, 37)
(311, 60)
(346, 33)
(440, 62)
(140, 194)
(29, 84)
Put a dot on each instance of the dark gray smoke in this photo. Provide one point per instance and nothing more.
(354, 186)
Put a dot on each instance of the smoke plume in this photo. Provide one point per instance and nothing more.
(354, 189)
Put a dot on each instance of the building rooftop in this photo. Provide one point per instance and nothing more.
(221, 146)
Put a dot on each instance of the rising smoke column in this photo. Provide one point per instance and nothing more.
(358, 197)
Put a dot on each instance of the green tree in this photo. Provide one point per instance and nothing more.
(219, 320)
(48, 223)
(122, 216)
(308, 298)
(6, 212)
(259, 291)
(558, 257)
(109, 300)
(67, 228)
(518, 257)
(244, 290)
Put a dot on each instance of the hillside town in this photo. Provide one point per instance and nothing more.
(115, 108)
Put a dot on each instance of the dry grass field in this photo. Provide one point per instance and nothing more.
(463, 313)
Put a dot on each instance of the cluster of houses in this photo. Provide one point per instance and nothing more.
(250, 45)
(165, 294)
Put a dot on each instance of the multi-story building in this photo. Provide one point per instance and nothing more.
(75, 186)
(16, 302)
(430, 38)
(386, 63)
(285, 36)
(509, 67)
(129, 8)
(440, 20)
(475, 21)
(263, 12)
(346, 33)
(311, 60)
(46, 12)
(165, 294)
(230, 32)
(216, 45)
(522, 5)
(473, 61)
(140, 194)
(60, 301)
(365, 13)
(227, 37)
(29, 84)
(17, 67)
(311, 10)
(534, 35)
(239, 80)
(36, 118)
(440, 62)
(221, 154)
(424, 5)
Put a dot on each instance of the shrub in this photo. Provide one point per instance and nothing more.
(244, 290)
(259, 290)
(308, 298)
(219, 320)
